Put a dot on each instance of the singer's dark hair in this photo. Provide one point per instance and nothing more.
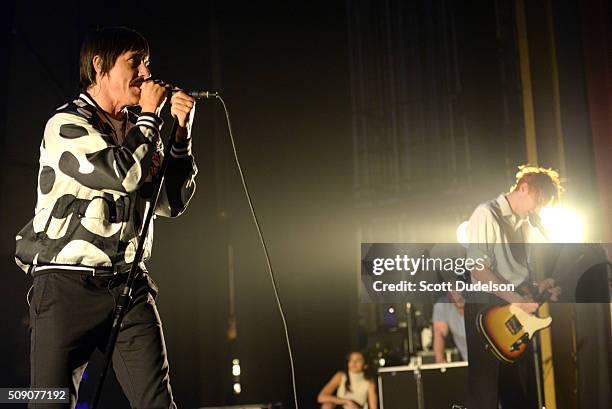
(109, 43)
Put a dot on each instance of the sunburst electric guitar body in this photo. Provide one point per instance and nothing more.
(508, 330)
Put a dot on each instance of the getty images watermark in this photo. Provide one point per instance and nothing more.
(412, 265)
(400, 272)
(408, 272)
(389, 272)
(422, 263)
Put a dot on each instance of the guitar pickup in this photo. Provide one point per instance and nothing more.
(513, 325)
(517, 344)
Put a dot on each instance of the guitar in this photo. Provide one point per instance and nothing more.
(508, 330)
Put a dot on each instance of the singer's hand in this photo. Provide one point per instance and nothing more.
(183, 108)
(152, 96)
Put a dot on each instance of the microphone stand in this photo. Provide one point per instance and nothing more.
(126, 295)
(536, 221)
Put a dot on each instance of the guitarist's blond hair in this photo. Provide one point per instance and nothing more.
(544, 180)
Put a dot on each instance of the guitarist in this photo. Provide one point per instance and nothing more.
(498, 231)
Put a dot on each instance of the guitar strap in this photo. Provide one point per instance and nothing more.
(525, 238)
(519, 250)
(528, 286)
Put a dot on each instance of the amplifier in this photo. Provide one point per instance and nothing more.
(428, 386)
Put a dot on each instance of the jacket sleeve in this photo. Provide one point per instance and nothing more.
(179, 184)
(91, 157)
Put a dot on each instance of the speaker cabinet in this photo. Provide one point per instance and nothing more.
(428, 386)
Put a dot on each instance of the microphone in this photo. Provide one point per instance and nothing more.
(536, 221)
(197, 94)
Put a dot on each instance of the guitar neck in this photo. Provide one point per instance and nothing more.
(532, 290)
(542, 298)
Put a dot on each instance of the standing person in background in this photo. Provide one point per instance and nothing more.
(354, 388)
(448, 315)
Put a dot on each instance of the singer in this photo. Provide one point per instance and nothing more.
(97, 160)
(498, 231)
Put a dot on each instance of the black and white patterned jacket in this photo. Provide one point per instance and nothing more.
(93, 191)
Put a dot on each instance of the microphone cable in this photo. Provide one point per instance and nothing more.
(263, 242)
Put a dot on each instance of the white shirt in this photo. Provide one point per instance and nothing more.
(359, 388)
(498, 236)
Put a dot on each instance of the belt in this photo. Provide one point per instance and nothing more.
(93, 271)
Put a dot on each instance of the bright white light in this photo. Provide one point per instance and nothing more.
(391, 310)
(462, 234)
(237, 388)
(563, 225)
(236, 367)
(381, 362)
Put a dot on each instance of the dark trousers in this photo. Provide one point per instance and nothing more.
(71, 315)
(491, 381)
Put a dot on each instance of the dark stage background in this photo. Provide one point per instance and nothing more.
(344, 114)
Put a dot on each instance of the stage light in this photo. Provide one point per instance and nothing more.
(563, 225)
(237, 388)
(391, 310)
(462, 234)
(382, 362)
(236, 367)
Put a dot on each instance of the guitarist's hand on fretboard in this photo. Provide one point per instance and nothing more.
(548, 291)
(537, 294)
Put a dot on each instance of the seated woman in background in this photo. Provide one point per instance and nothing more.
(354, 388)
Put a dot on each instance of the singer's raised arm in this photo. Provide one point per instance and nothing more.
(76, 143)
(179, 182)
